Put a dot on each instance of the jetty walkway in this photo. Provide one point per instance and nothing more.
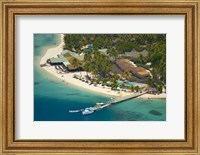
(111, 102)
(123, 98)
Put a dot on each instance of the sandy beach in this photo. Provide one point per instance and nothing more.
(53, 51)
(67, 78)
(152, 96)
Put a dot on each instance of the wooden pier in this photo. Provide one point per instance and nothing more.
(123, 98)
(114, 101)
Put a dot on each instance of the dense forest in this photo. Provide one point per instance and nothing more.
(118, 44)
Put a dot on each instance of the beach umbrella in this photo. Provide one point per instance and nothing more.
(118, 89)
(120, 94)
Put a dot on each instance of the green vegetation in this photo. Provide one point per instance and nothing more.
(123, 46)
(97, 63)
(75, 62)
(112, 52)
(136, 88)
(157, 58)
(121, 42)
(127, 75)
(100, 65)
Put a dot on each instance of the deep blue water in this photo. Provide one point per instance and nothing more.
(53, 98)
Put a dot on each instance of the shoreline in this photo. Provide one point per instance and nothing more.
(53, 51)
(68, 77)
(152, 96)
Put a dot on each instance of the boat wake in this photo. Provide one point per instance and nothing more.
(73, 111)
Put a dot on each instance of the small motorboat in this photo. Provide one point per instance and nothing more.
(88, 111)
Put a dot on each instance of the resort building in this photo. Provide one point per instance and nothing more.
(57, 61)
(135, 54)
(103, 51)
(125, 64)
(65, 60)
(70, 55)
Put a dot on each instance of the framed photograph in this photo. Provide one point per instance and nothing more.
(99, 77)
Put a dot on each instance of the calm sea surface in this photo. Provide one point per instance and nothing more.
(53, 98)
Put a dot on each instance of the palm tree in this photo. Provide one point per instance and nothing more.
(137, 88)
(86, 68)
(87, 62)
(141, 58)
(132, 88)
(150, 82)
(127, 74)
(114, 85)
(101, 64)
(122, 86)
(75, 64)
(116, 76)
(87, 57)
(112, 53)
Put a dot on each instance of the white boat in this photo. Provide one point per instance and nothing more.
(74, 111)
(88, 111)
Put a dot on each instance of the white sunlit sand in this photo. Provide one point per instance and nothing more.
(68, 78)
(53, 51)
(152, 96)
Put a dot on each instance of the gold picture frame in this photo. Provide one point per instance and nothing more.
(11, 8)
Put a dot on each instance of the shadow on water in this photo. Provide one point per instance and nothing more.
(72, 94)
(36, 83)
(37, 46)
(154, 112)
(53, 81)
(130, 116)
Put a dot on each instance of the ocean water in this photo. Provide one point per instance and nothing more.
(53, 99)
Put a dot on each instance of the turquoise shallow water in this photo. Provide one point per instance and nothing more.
(53, 99)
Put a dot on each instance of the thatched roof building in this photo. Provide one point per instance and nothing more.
(135, 54)
(125, 64)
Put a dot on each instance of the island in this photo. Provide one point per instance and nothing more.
(119, 65)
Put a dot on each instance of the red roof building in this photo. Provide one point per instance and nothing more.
(125, 64)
